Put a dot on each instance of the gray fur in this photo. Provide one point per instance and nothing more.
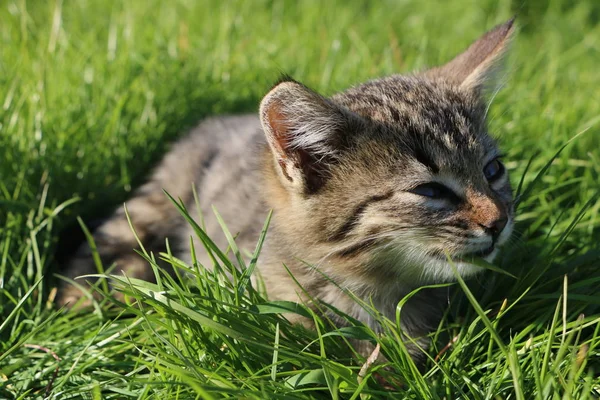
(342, 176)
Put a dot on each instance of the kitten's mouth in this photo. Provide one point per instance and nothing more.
(466, 257)
(480, 253)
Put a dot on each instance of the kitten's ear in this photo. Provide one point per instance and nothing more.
(477, 68)
(304, 131)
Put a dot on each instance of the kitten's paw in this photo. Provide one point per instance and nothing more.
(80, 294)
(72, 297)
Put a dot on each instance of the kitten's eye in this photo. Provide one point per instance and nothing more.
(493, 170)
(433, 190)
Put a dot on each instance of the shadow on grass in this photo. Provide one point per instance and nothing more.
(106, 199)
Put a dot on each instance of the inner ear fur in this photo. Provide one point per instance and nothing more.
(303, 130)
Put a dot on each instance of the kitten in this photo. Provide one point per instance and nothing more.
(371, 186)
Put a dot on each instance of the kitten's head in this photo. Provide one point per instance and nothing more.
(387, 177)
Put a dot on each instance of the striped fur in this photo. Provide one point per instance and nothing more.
(372, 188)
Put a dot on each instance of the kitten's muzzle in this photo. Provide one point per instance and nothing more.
(495, 228)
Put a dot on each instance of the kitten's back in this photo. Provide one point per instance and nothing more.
(228, 178)
(219, 158)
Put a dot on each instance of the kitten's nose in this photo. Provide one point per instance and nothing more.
(495, 227)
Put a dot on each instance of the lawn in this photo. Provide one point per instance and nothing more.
(91, 94)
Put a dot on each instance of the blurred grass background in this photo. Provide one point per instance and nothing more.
(92, 92)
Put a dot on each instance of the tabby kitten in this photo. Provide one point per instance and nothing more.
(372, 187)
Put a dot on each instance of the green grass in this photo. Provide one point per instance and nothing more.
(91, 93)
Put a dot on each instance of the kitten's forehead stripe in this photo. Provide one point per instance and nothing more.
(420, 112)
(423, 156)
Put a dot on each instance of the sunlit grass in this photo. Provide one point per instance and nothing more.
(92, 92)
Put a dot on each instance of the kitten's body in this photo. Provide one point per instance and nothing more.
(371, 187)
